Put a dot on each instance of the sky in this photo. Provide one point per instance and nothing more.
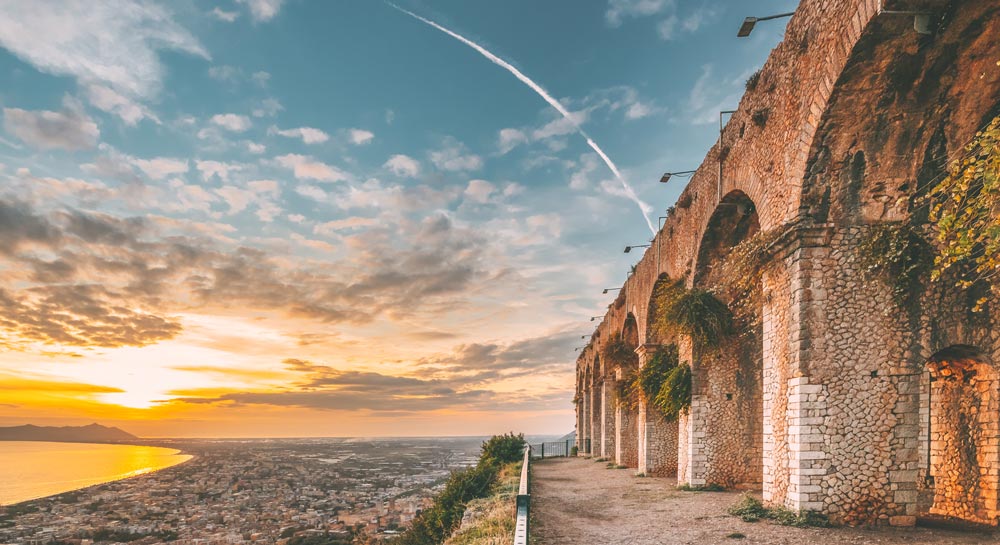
(250, 218)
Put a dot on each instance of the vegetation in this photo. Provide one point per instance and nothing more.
(965, 212)
(899, 254)
(674, 397)
(700, 315)
(753, 80)
(650, 379)
(750, 509)
(743, 276)
(435, 524)
(626, 391)
(618, 352)
(491, 517)
(710, 487)
(321, 539)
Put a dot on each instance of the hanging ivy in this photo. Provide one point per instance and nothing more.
(674, 397)
(965, 212)
(618, 352)
(652, 375)
(700, 315)
(899, 255)
(743, 276)
(627, 392)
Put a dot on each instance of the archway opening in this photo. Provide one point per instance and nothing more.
(728, 379)
(622, 356)
(961, 466)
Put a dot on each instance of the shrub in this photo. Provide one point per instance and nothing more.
(753, 80)
(503, 449)
(574, 450)
(743, 276)
(651, 376)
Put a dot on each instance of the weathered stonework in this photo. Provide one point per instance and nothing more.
(844, 400)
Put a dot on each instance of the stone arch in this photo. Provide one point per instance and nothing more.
(727, 381)
(962, 467)
(626, 415)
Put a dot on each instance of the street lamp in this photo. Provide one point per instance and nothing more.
(667, 175)
(629, 248)
(921, 19)
(606, 290)
(592, 318)
(747, 27)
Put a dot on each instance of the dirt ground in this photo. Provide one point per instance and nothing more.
(576, 501)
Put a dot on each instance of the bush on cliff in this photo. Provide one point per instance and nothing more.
(435, 524)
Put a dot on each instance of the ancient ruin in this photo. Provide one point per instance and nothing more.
(867, 399)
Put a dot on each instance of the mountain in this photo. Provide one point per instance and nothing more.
(94, 433)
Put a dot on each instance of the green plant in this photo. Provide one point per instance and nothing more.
(710, 487)
(898, 254)
(502, 449)
(964, 212)
(618, 352)
(701, 315)
(753, 80)
(653, 374)
(750, 509)
(574, 450)
(743, 276)
(626, 391)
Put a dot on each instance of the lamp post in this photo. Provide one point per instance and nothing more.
(592, 318)
(667, 175)
(606, 290)
(747, 27)
(629, 248)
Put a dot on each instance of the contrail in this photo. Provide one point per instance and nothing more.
(643, 207)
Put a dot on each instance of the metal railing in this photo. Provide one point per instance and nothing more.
(523, 502)
(551, 449)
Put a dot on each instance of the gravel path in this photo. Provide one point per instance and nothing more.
(576, 501)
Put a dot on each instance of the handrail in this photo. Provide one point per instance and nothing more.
(523, 502)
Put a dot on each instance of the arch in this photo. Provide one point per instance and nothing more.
(728, 380)
(962, 461)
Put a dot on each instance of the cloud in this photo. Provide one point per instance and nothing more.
(403, 165)
(232, 122)
(69, 129)
(344, 224)
(479, 191)
(667, 28)
(455, 157)
(308, 135)
(307, 168)
(113, 43)
(159, 168)
(619, 9)
(221, 169)
(510, 139)
(261, 77)
(108, 100)
(360, 137)
(224, 73)
(227, 16)
(256, 148)
(269, 107)
(262, 10)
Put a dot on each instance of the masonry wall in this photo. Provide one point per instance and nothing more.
(852, 117)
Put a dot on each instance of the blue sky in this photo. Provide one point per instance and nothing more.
(352, 188)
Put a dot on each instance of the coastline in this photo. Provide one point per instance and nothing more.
(117, 478)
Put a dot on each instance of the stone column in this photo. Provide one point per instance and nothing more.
(691, 458)
(585, 422)
(657, 441)
(608, 434)
(595, 419)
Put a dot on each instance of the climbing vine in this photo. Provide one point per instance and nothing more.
(627, 391)
(965, 212)
(652, 375)
(743, 276)
(674, 397)
(900, 255)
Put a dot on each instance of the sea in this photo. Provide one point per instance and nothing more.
(31, 469)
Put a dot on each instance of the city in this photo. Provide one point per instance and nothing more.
(253, 491)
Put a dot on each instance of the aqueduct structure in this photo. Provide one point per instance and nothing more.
(842, 398)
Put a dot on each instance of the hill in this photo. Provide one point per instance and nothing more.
(93, 433)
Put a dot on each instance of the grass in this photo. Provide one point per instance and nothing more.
(710, 487)
(750, 509)
(492, 519)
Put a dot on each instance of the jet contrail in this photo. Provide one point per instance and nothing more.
(643, 207)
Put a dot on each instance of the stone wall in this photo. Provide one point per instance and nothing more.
(833, 405)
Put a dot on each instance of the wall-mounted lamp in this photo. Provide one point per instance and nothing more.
(629, 248)
(606, 290)
(667, 175)
(921, 19)
(747, 27)
(592, 318)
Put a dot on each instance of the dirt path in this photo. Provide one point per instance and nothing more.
(575, 501)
